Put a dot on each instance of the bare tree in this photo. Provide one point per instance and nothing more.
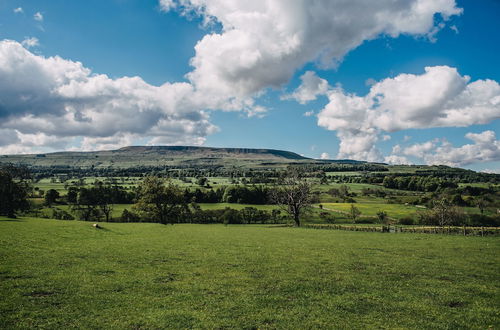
(293, 194)
(446, 214)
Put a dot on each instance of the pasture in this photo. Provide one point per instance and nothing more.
(66, 274)
(370, 209)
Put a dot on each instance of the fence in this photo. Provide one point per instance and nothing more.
(451, 230)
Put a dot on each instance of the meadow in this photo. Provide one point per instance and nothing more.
(396, 211)
(66, 274)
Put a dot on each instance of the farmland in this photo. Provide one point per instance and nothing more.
(67, 274)
(232, 259)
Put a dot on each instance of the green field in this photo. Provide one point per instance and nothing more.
(66, 274)
(370, 209)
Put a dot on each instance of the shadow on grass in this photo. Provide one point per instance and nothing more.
(12, 220)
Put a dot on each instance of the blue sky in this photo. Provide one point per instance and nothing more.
(155, 40)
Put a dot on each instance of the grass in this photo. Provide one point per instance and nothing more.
(370, 209)
(219, 206)
(66, 274)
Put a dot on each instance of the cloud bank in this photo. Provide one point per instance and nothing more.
(261, 44)
(61, 99)
(440, 97)
(486, 148)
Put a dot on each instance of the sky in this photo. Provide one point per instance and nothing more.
(395, 81)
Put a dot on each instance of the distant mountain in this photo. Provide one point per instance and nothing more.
(166, 155)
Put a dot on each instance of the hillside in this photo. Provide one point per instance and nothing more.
(164, 155)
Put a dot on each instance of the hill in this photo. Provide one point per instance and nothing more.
(165, 155)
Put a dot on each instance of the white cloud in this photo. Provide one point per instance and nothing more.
(324, 155)
(167, 5)
(308, 113)
(420, 150)
(491, 171)
(311, 87)
(370, 82)
(439, 97)
(486, 148)
(262, 43)
(386, 137)
(454, 29)
(434, 31)
(38, 17)
(397, 160)
(61, 99)
(18, 10)
(31, 42)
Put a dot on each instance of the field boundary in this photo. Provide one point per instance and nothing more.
(451, 230)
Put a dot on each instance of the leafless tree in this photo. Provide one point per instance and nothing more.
(447, 214)
(293, 194)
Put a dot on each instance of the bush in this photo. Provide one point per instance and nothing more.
(327, 217)
(61, 215)
(128, 216)
(367, 220)
(484, 220)
(406, 221)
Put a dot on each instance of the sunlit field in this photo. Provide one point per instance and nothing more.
(67, 274)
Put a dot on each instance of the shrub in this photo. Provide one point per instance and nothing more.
(367, 220)
(327, 217)
(128, 216)
(406, 221)
(61, 215)
(484, 220)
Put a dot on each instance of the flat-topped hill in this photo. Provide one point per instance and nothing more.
(164, 155)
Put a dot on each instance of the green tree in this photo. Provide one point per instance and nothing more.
(14, 189)
(201, 181)
(344, 192)
(86, 205)
(158, 199)
(382, 217)
(354, 213)
(51, 197)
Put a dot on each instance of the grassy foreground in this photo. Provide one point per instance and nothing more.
(66, 274)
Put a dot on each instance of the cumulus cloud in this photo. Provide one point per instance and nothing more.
(262, 43)
(308, 113)
(18, 10)
(486, 148)
(440, 97)
(167, 5)
(38, 16)
(397, 160)
(420, 149)
(31, 42)
(491, 171)
(325, 155)
(311, 87)
(63, 99)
